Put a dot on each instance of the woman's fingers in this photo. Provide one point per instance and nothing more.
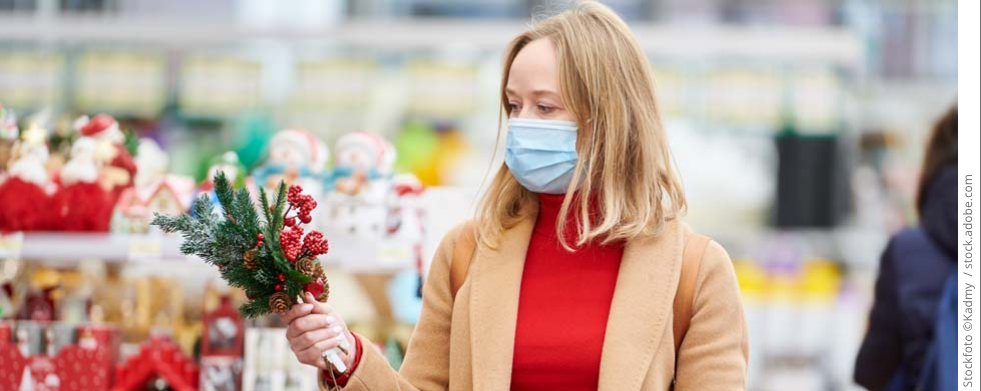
(309, 323)
(310, 338)
(314, 328)
(295, 312)
(313, 354)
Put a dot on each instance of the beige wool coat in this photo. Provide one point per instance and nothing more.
(468, 343)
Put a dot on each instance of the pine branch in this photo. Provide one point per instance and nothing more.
(224, 191)
(202, 206)
(275, 226)
(244, 211)
(264, 204)
(277, 222)
(257, 307)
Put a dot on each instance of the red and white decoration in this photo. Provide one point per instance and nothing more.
(74, 368)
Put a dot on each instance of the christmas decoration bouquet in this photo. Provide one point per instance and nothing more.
(263, 251)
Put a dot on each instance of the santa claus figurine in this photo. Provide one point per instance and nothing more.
(81, 202)
(25, 192)
(116, 166)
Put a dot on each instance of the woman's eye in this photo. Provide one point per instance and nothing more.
(515, 107)
(545, 109)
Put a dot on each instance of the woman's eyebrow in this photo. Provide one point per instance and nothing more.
(509, 91)
(544, 92)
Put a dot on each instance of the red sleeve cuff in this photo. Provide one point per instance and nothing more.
(342, 379)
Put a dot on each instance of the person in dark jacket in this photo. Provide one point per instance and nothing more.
(912, 273)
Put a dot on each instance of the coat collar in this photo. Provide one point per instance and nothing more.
(494, 288)
(639, 313)
(641, 308)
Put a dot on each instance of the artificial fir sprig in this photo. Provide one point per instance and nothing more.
(248, 250)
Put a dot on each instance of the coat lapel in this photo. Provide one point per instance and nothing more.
(494, 288)
(641, 308)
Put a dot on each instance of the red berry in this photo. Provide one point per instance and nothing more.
(279, 287)
(260, 236)
(289, 240)
(315, 243)
(289, 221)
(281, 277)
(305, 218)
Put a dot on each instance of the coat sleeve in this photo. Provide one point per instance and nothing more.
(427, 359)
(715, 352)
(881, 351)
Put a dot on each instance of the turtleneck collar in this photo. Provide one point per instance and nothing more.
(549, 206)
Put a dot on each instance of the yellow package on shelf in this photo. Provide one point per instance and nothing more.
(123, 82)
(217, 85)
(30, 80)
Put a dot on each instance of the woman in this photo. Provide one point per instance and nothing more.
(564, 291)
(912, 273)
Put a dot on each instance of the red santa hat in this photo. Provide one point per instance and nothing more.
(102, 126)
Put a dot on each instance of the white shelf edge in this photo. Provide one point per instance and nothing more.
(827, 44)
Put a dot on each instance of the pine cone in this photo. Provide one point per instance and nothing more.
(323, 296)
(310, 267)
(279, 303)
(249, 259)
(319, 272)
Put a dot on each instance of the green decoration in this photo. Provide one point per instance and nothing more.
(224, 239)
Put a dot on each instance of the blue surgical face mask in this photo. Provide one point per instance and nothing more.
(541, 154)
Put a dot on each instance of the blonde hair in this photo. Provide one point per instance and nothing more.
(624, 161)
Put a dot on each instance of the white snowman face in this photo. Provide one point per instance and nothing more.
(360, 157)
(289, 155)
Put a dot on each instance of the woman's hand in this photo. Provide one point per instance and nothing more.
(315, 327)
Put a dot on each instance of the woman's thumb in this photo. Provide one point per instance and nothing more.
(318, 307)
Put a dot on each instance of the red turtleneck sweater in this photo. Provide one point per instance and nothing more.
(563, 308)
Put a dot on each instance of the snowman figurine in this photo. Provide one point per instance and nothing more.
(358, 187)
(297, 157)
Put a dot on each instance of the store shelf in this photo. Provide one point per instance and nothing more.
(348, 252)
(825, 44)
(59, 247)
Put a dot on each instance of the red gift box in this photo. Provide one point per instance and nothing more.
(73, 369)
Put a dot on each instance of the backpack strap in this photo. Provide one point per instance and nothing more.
(466, 244)
(690, 262)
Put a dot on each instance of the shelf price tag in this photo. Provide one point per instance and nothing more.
(11, 245)
(144, 249)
